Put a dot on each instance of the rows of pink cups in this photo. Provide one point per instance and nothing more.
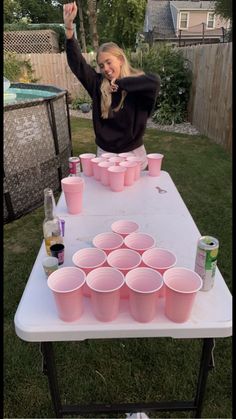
(114, 171)
(118, 170)
(124, 263)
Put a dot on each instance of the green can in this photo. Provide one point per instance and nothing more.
(206, 260)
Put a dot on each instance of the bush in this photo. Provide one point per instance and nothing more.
(17, 70)
(82, 98)
(17, 26)
(75, 104)
(176, 77)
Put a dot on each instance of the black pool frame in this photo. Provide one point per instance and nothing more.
(10, 211)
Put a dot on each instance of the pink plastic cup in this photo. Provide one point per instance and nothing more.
(154, 164)
(181, 286)
(124, 260)
(143, 284)
(138, 167)
(103, 172)
(108, 155)
(159, 259)
(139, 242)
(116, 160)
(88, 259)
(73, 188)
(127, 154)
(86, 164)
(116, 176)
(96, 168)
(130, 172)
(67, 287)
(105, 284)
(108, 241)
(124, 227)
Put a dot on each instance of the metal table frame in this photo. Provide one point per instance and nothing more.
(206, 363)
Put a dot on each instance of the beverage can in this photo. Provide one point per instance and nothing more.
(206, 260)
(74, 166)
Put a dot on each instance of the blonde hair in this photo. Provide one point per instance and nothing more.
(126, 70)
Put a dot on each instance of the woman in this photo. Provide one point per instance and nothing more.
(122, 97)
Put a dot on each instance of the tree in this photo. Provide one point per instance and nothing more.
(81, 26)
(92, 16)
(120, 21)
(42, 11)
(223, 8)
(11, 11)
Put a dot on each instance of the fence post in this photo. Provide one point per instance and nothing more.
(223, 33)
(203, 32)
(180, 31)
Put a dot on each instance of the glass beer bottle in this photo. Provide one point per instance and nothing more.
(51, 224)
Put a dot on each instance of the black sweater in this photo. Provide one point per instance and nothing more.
(123, 130)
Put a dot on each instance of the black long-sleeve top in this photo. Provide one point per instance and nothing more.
(122, 131)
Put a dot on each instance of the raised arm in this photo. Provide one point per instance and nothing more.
(77, 63)
(69, 14)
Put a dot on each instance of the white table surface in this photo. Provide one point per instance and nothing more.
(166, 217)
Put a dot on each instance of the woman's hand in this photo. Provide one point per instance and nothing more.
(69, 14)
(114, 86)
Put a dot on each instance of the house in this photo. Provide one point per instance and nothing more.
(183, 22)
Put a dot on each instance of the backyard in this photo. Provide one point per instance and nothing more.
(125, 369)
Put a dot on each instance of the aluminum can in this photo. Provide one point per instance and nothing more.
(74, 166)
(206, 260)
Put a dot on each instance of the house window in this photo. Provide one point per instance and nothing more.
(183, 21)
(210, 20)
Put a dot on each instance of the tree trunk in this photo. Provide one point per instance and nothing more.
(81, 26)
(92, 15)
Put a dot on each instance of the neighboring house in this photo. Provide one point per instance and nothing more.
(183, 22)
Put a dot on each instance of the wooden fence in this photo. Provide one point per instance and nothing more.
(210, 105)
(53, 69)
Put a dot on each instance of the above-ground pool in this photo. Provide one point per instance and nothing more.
(19, 94)
(37, 145)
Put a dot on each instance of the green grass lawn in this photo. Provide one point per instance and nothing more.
(124, 369)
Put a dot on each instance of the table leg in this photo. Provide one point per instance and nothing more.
(207, 362)
(49, 368)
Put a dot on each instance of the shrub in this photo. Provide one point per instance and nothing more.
(75, 104)
(176, 76)
(17, 70)
(82, 98)
(17, 26)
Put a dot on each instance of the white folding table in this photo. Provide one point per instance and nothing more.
(166, 217)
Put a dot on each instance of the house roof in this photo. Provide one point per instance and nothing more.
(158, 16)
(191, 4)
